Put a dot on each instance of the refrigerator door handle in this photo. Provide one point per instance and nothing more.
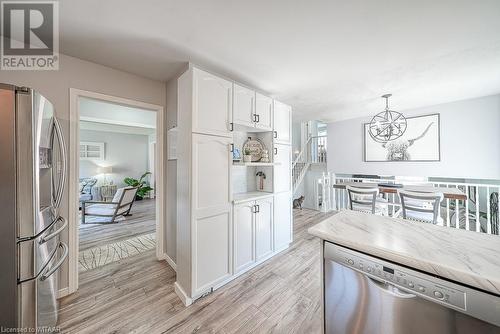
(50, 236)
(33, 237)
(62, 149)
(59, 263)
(44, 268)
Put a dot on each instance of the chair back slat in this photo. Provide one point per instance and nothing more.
(425, 202)
(362, 196)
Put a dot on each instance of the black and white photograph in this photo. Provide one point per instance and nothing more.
(420, 142)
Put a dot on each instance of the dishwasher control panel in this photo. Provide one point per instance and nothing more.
(404, 278)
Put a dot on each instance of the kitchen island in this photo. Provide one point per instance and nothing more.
(373, 260)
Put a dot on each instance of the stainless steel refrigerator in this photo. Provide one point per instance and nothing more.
(32, 177)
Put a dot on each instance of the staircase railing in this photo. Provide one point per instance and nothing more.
(317, 149)
(300, 166)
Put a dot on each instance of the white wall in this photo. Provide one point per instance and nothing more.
(127, 154)
(470, 143)
(114, 113)
(296, 138)
(77, 73)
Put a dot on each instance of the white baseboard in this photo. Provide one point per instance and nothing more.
(62, 293)
(182, 295)
(169, 260)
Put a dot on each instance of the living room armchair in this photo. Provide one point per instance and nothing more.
(119, 206)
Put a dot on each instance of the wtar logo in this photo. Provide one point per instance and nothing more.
(30, 35)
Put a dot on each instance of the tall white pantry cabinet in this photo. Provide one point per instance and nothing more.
(217, 239)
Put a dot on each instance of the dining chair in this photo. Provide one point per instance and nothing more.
(367, 200)
(423, 207)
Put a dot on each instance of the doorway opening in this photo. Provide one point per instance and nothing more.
(117, 172)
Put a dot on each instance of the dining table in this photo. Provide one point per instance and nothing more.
(387, 188)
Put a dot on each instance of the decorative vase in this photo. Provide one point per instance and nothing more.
(247, 158)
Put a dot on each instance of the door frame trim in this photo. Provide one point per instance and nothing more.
(73, 149)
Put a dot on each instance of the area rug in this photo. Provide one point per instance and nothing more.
(102, 255)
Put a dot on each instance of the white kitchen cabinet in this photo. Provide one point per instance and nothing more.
(282, 115)
(264, 228)
(244, 235)
(217, 240)
(212, 250)
(253, 232)
(211, 169)
(283, 228)
(264, 112)
(212, 109)
(204, 248)
(243, 106)
(282, 170)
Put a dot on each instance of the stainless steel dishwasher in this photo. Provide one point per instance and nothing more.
(365, 294)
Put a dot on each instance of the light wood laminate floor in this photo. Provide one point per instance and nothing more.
(142, 221)
(136, 295)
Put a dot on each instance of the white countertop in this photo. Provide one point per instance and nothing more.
(468, 257)
(250, 196)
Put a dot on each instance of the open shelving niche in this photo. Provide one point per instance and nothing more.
(244, 173)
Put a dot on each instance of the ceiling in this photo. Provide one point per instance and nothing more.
(329, 59)
(106, 116)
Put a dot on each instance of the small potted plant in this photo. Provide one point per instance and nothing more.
(141, 184)
(247, 157)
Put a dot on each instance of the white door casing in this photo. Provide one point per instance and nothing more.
(74, 158)
(212, 104)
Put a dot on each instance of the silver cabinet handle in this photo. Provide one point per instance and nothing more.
(50, 236)
(275, 151)
(275, 134)
(62, 149)
(232, 147)
(52, 270)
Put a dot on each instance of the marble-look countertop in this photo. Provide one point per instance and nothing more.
(468, 257)
(250, 196)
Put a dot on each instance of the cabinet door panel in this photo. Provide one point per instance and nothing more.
(264, 228)
(282, 123)
(264, 110)
(212, 104)
(244, 235)
(213, 250)
(211, 172)
(244, 106)
(282, 171)
(282, 220)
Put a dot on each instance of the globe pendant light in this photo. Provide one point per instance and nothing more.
(387, 125)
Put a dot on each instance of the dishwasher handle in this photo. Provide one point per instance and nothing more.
(391, 288)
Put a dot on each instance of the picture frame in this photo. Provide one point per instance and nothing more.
(421, 142)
